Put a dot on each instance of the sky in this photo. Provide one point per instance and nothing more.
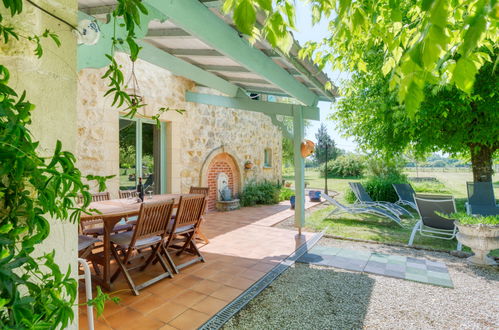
(307, 32)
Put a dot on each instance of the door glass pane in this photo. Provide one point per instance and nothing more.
(151, 158)
(128, 132)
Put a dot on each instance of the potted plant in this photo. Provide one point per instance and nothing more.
(480, 233)
(248, 165)
(314, 195)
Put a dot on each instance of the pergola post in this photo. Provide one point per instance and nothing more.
(298, 135)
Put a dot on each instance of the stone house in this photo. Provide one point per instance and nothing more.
(210, 141)
(192, 60)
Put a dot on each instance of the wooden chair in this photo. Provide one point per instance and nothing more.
(182, 229)
(199, 190)
(128, 194)
(149, 232)
(203, 191)
(85, 247)
(94, 227)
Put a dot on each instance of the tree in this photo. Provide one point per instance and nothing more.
(423, 41)
(449, 120)
(325, 148)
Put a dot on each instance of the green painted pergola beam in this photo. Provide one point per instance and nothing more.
(269, 108)
(182, 68)
(233, 68)
(195, 18)
(168, 33)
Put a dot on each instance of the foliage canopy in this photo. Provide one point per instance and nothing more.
(423, 41)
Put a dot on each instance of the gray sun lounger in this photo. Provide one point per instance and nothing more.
(364, 199)
(357, 209)
(406, 194)
(481, 199)
(431, 224)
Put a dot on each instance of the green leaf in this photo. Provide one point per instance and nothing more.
(473, 33)
(245, 17)
(413, 99)
(439, 13)
(464, 74)
(265, 4)
(55, 37)
(5, 228)
(426, 4)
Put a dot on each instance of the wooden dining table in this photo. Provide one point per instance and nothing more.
(113, 211)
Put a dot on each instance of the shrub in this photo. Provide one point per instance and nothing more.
(344, 166)
(260, 193)
(435, 187)
(285, 194)
(466, 219)
(381, 189)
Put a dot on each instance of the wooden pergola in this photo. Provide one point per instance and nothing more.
(194, 39)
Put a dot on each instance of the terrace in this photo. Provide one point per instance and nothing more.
(244, 247)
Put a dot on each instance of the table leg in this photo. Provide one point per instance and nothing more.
(109, 224)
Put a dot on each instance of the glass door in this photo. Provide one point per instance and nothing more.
(142, 154)
(128, 154)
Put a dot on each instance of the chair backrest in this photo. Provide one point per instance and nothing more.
(96, 197)
(190, 210)
(404, 191)
(199, 190)
(153, 219)
(101, 196)
(128, 194)
(360, 192)
(481, 193)
(427, 205)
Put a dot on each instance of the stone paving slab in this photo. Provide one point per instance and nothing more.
(408, 268)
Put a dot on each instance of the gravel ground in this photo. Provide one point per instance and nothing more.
(315, 297)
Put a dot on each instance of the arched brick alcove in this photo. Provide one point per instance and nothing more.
(221, 163)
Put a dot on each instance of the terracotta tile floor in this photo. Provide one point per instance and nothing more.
(243, 247)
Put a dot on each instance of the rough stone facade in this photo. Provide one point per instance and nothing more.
(194, 138)
(50, 84)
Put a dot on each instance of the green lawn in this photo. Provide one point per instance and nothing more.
(378, 229)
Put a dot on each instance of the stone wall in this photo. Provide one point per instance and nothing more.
(191, 137)
(50, 84)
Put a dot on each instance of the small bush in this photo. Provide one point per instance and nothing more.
(435, 187)
(344, 166)
(285, 194)
(260, 193)
(381, 189)
(466, 219)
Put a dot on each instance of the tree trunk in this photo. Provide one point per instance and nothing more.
(481, 162)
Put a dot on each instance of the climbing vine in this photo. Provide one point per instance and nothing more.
(34, 291)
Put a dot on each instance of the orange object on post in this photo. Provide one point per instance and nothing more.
(307, 148)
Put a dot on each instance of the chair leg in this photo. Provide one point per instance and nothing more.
(123, 269)
(125, 261)
(413, 234)
(169, 258)
(202, 236)
(96, 268)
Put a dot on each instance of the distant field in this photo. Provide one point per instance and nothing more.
(454, 182)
